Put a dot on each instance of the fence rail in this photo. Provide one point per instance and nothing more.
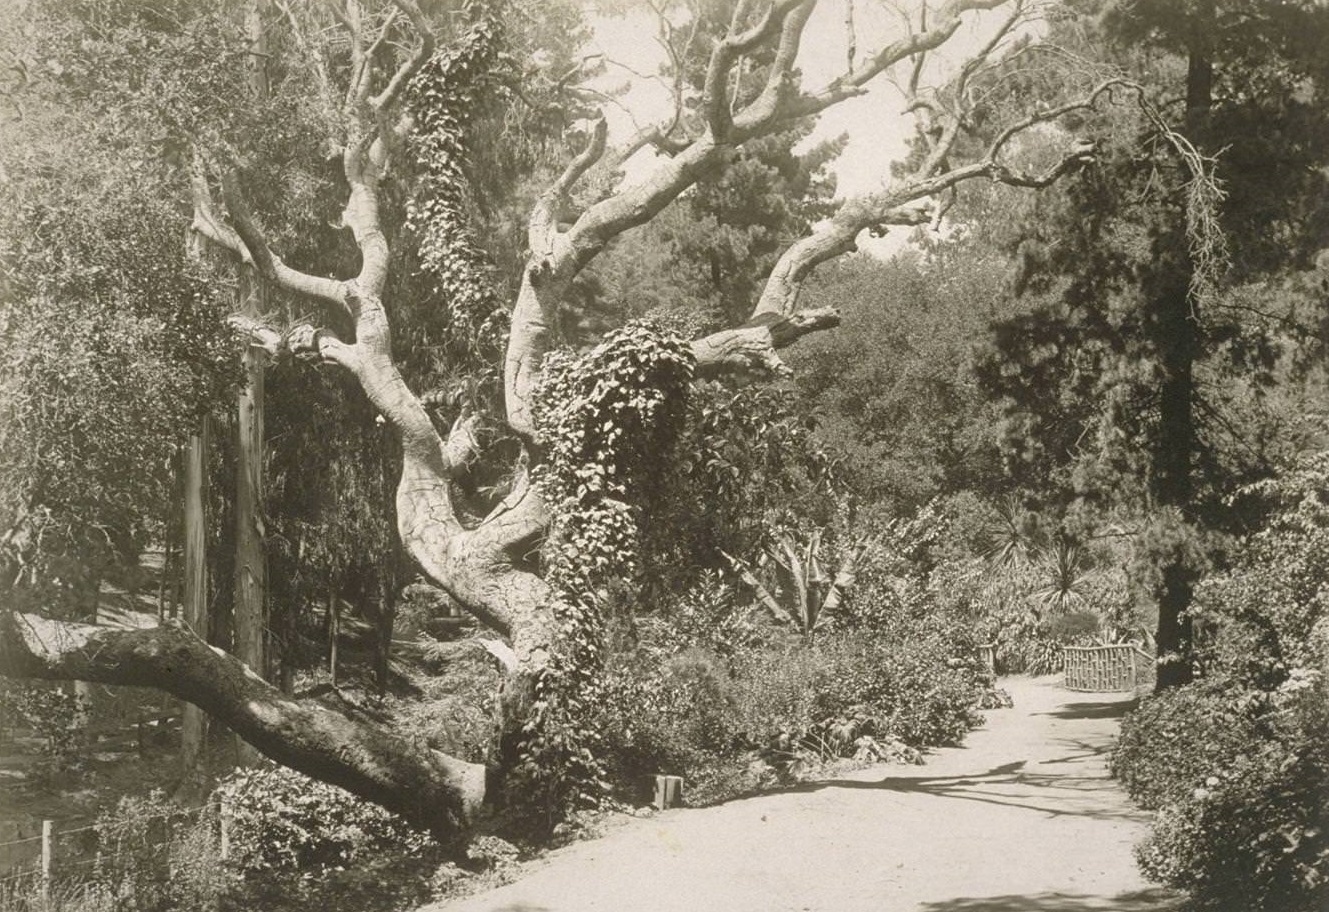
(1110, 668)
(49, 861)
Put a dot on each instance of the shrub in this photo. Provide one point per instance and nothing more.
(51, 714)
(694, 715)
(1238, 763)
(283, 821)
(1254, 832)
(1175, 740)
(154, 854)
(670, 715)
(921, 690)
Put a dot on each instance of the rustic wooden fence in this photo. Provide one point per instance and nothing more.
(1102, 669)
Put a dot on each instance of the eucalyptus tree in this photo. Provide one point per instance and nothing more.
(587, 426)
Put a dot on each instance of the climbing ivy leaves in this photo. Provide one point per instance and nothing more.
(607, 420)
(444, 98)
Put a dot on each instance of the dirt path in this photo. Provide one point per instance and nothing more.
(1021, 819)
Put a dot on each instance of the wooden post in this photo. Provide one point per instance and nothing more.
(334, 632)
(224, 815)
(667, 791)
(48, 828)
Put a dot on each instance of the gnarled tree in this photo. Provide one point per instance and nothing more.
(753, 88)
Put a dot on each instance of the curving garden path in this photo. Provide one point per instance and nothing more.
(1023, 818)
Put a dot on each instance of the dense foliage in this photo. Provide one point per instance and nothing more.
(605, 418)
(717, 690)
(1237, 762)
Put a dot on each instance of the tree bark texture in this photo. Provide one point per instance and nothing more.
(426, 787)
(197, 613)
(1179, 344)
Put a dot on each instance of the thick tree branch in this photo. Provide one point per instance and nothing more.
(244, 238)
(306, 341)
(207, 222)
(751, 348)
(834, 238)
(542, 227)
(427, 788)
(766, 110)
(423, 51)
(257, 334)
(715, 97)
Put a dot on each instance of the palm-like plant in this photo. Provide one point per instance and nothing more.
(1066, 575)
(804, 596)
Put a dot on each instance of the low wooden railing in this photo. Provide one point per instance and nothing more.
(1108, 668)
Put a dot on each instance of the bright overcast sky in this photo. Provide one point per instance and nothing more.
(875, 124)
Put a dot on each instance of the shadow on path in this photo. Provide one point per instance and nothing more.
(1114, 709)
(1010, 785)
(1142, 901)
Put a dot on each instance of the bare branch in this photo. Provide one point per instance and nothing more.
(1051, 114)
(542, 227)
(715, 99)
(909, 203)
(914, 45)
(305, 340)
(265, 261)
(834, 238)
(981, 57)
(257, 334)
(850, 37)
(423, 51)
(752, 347)
(761, 115)
(357, 86)
(207, 222)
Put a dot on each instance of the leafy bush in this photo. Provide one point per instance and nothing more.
(713, 722)
(1238, 763)
(50, 713)
(160, 855)
(298, 844)
(283, 821)
(666, 716)
(918, 690)
(1254, 832)
(1175, 740)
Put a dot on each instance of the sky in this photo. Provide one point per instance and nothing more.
(876, 125)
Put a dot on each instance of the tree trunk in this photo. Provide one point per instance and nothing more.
(1179, 342)
(426, 787)
(334, 635)
(251, 572)
(194, 724)
(384, 620)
